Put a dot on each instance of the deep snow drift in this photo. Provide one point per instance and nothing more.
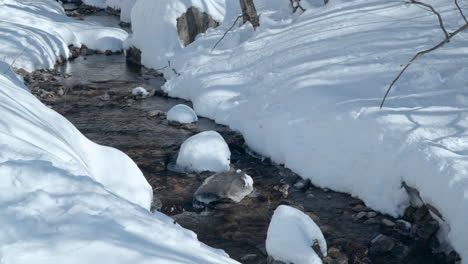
(291, 235)
(305, 90)
(63, 198)
(205, 151)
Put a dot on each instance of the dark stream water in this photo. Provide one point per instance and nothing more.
(99, 103)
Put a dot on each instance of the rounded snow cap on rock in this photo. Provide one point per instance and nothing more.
(291, 235)
(206, 151)
(182, 114)
(140, 91)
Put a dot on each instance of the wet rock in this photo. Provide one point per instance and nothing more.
(156, 204)
(271, 260)
(335, 256)
(361, 208)
(371, 214)
(381, 244)
(360, 215)
(156, 113)
(133, 55)
(372, 221)
(108, 52)
(193, 22)
(313, 217)
(409, 213)
(388, 223)
(400, 251)
(249, 257)
(230, 186)
(425, 230)
(85, 51)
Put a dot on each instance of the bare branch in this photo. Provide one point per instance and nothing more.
(225, 33)
(461, 11)
(441, 23)
(419, 54)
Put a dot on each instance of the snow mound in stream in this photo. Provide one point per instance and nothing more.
(140, 91)
(182, 114)
(291, 235)
(206, 151)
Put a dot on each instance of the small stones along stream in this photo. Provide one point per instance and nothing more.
(94, 93)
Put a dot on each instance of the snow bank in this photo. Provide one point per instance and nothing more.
(291, 235)
(35, 33)
(304, 90)
(125, 6)
(182, 114)
(65, 199)
(206, 151)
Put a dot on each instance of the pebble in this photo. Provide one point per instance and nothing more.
(371, 214)
(382, 244)
(249, 257)
(360, 208)
(361, 215)
(371, 221)
(388, 223)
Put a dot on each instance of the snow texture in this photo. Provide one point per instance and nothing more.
(34, 33)
(206, 151)
(140, 91)
(291, 235)
(304, 90)
(182, 114)
(63, 198)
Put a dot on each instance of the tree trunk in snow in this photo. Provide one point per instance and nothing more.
(249, 12)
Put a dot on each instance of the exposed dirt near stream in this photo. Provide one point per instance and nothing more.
(94, 93)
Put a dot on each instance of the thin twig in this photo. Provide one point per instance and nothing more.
(419, 54)
(461, 11)
(441, 22)
(10, 67)
(225, 33)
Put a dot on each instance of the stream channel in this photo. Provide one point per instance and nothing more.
(94, 93)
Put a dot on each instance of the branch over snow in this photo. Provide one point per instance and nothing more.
(225, 33)
(448, 37)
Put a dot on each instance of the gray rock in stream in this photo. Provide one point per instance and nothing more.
(230, 186)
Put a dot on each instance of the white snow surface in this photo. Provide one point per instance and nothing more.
(305, 90)
(182, 113)
(34, 33)
(140, 91)
(125, 6)
(63, 198)
(205, 151)
(290, 237)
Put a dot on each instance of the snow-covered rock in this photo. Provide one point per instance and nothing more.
(291, 235)
(140, 91)
(182, 114)
(224, 186)
(206, 151)
(35, 33)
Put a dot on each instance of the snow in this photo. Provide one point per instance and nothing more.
(140, 91)
(125, 6)
(63, 198)
(162, 16)
(304, 90)
(291, 235)
(205, 151)
(182, 114)
(35, 33)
